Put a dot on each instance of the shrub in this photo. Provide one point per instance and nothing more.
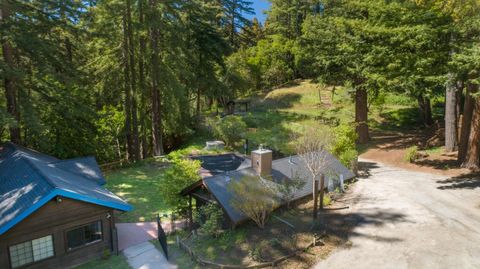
(253, 198)
(181, 174)
(210, 218)
(327, 200)
(411, 154)
(288, 189)
(106, 253)
(344, 147)
(256, 253)
(230, 129)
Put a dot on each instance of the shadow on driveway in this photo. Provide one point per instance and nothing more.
(465, 181)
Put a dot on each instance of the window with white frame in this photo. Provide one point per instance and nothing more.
(31, 251)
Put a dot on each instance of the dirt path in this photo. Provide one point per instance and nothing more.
(410, 219)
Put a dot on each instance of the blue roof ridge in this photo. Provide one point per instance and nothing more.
(34, 167)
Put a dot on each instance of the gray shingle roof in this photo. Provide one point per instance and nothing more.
(282, 169)
(29, 179)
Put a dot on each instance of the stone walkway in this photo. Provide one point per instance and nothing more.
(131, 234)
(146, 256)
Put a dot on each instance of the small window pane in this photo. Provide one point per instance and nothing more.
(42, 248)
(21, 254)
(84, 235)
(75, 238)
(93, 232)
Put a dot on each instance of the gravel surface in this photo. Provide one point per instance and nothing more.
(408, 219)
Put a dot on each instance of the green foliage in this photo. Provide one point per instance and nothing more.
(344, 147)
(106, 253)
(327, 200)
(253, 197)
(289, 187)
(110, 126)
(210, 218)
(230, 129)
(181, 174)
(255, 253)
(411, 154)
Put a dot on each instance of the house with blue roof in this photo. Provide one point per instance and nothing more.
(53, 213)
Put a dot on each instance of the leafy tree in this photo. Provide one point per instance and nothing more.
(254, 198)
(343, 146)
(230, 129)
(209, 217)
(181, 174)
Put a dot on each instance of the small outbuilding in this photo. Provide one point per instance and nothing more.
(53, 213)
(214, 186)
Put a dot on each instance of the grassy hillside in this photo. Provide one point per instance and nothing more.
(276, 116)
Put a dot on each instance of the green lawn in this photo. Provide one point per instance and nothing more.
(112, 262)
(139, 186)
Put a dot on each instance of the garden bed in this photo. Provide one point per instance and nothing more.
(277, 243)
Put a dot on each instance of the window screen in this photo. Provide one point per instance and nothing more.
(31, 251)
(84, 235)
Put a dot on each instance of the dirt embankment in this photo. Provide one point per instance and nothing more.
(390, 148)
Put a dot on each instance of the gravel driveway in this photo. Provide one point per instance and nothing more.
(407, 219)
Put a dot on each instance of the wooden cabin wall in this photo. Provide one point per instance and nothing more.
(55, 218)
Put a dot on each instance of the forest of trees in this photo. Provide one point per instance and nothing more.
(131, 78)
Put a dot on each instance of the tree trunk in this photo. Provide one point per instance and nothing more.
(466, 121)
(458, 108)
(450, 117)
(425, 110)
(9, 81)
(133, 83)
(315, 199)
(232, 25)
(198, 102)
(157, 141)
(127, 103)
(143, 85)
(472, 158)
(322, 190)
(361, 115)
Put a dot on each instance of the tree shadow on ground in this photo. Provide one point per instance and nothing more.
(343, 224)
(396, 140)
(280, 101)
(441, 164)
(465, 181)
(364, 169)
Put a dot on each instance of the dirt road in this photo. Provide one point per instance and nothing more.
(408, 219)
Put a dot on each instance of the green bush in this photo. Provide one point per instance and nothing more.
(230, 129)
(181, 174)
(210, 218)
(327, 200)
(344, 147)
(411, 154)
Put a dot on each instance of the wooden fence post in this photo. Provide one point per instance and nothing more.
(315, 198)
(172, 223)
